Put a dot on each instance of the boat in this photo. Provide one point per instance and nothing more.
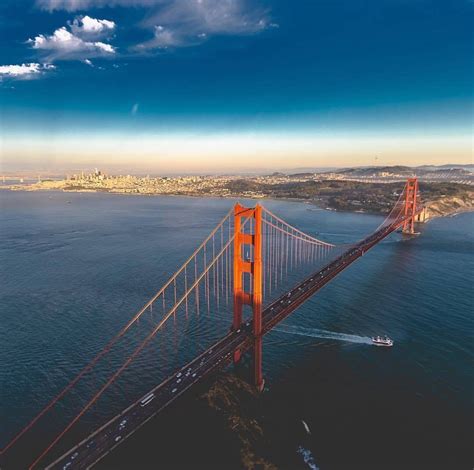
(306, 427)
(382, 341)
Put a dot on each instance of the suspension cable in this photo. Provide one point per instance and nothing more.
(135, 353)
(295, 229)
(109, 345)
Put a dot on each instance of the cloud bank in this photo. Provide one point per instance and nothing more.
(173, 23)
(170, 23)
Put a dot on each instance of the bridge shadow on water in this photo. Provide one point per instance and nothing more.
(223, 424)
(185, 435)
(347, 429)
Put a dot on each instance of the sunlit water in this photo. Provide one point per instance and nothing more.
(76, 267)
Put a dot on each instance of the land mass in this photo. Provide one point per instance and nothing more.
(443, 191)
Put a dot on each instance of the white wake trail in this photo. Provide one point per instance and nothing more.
(322, 334)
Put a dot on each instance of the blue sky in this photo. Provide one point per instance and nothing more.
(177, 85)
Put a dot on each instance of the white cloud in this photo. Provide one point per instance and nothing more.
(63, 45)
(193, 17)
(179, 23)
(163, 39)
(189, 22)
(87, 27)
(24, 71)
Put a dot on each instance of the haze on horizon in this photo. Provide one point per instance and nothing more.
(206, 86)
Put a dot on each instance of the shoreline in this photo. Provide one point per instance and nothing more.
(28, 189)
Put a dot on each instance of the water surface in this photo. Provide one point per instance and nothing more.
(75, 267)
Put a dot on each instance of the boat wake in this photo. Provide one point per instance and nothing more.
(323, 334)
(308, 458)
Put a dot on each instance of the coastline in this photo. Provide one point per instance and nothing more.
(433, 214)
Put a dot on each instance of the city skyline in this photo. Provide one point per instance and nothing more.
(203, 85)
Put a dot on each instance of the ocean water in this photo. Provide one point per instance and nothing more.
(75, 267)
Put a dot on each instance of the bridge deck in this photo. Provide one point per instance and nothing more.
(105, 439)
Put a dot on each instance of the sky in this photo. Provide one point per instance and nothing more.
(234, 85)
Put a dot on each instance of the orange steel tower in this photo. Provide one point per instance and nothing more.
(411, 194)
(250, 269)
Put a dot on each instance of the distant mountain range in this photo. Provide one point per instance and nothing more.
(399, 170)
(434, 167)
(361, 171)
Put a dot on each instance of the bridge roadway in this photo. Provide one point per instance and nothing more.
(113, 433)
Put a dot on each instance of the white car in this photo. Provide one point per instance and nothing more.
(174, 390)
(118, 438)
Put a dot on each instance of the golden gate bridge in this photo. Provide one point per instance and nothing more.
(232, 290)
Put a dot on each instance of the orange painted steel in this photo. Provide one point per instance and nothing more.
(411, 194)
(254, 267)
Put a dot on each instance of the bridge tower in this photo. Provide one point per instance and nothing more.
(411, 195)
(250, 292)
